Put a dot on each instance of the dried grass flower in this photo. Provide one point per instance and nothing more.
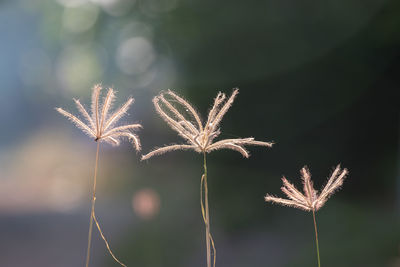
(183, 118)
(310, 200)
(100, 125)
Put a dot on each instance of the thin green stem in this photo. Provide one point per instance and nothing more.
(207, 215)
(316, 237)
(93, 202)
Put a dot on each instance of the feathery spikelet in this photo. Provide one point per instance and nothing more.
(199, 137)
(100, 124)
(310, 200)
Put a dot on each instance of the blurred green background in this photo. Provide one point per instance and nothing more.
(320, 78)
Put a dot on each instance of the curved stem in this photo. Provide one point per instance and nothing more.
(207, 215)
(106, 242)
(316, 238)
(93, 202)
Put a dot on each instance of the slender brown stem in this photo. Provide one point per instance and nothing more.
(106, 242)
(207, 215)
(209, 239)
(316, 237)
(93, 202)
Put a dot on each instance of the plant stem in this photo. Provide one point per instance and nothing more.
(316, 237)
(106, 242)
(93, 202)
(207, 216)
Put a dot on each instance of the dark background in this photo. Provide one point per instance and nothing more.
(320, 78)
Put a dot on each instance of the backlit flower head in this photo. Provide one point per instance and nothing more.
(100, 125)
(184, 119)
(310, 200)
